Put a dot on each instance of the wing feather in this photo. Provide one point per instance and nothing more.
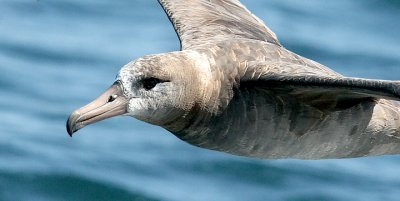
(324, 92)
(199, 22)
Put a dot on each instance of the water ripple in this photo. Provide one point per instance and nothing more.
(64, 187)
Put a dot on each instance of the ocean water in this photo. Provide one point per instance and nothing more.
(56, 55)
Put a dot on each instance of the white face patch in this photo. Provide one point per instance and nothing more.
(127, 76)
(145, 105)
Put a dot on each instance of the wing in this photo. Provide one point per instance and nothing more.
(198, 22)
(323, 92)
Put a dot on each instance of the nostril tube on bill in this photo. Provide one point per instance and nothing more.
(112, 98)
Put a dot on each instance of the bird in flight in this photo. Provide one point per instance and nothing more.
(234, 88)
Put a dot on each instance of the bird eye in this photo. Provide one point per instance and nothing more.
(150, 83)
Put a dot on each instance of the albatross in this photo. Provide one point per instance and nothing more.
(234, 88)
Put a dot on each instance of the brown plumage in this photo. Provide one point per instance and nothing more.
(234, 88)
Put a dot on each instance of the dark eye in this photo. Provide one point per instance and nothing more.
(149, 83)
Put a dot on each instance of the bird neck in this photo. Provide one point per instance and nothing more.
(207, 92)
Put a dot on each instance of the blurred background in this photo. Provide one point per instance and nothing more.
(57, 55)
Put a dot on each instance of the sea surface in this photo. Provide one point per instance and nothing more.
(57, 55)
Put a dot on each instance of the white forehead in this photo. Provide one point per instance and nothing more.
(127, 74)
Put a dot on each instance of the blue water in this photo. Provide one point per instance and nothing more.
(56, 55)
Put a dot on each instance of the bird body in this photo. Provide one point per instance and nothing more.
(234, 88)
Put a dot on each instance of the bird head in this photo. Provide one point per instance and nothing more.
(159, 89)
